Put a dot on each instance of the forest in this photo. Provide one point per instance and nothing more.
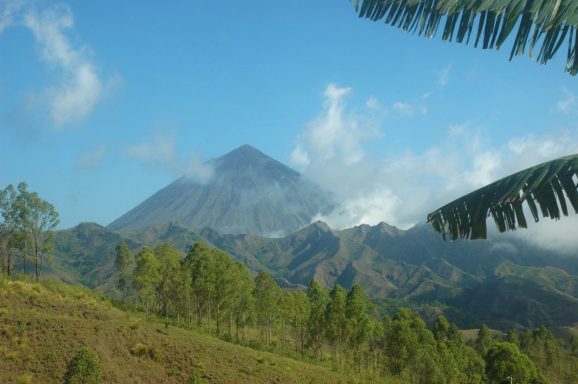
(206, 289)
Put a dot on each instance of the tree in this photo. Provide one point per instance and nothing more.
(357, 320)
(224, 278)
(169, 267)
(27, 224)
(483, 341)
(267, 294)
(122, 263)
(11, 231)
(318, 298)
(406, 341)
(540, 23)
(301, 314)
(146, 276)
(336, 320)
(242, 302)
(504, 360)
(203, 280)
(84, 368)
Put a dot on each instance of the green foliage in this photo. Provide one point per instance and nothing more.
(547, 185)
(541, 23)
(122, 263)
(195, 378)
(25, 378)
(319, 298)
(504, 360)
(267, 294)
(84, 368)
(146, 276)
(336, 319)
(483, 341)
(169, 267)
(27, 226)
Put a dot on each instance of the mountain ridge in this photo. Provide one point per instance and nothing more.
(485, 281)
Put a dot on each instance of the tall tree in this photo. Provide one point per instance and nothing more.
(203, 280)
(358, 322)
(267, 294)
(300, 319)
(319, 299)
(146, 276)
(11, 229)
(38, 219)
(224, 276)
(483, 340)
(242, 302)
(336, 320)
(169, 262)
(122, 263)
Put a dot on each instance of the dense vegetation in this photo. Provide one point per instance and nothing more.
(207, 289)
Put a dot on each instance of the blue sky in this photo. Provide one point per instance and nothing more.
(103, 103)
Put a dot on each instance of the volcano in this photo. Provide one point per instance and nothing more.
(249, 193)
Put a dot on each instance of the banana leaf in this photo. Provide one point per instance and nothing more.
(539, 27)
(545, 189)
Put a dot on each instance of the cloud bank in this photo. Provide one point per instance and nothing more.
(401, 188)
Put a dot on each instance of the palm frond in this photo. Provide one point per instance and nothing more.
(541, 24)
(544, 188)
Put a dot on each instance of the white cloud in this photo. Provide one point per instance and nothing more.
(161, 152)
(569, 104)
(373, 103)
(553, 235)
(92, 159)
(443, 76)
(334, 134)
(195, 169)
(401, 188)
(80, 87)
(408, 109)
(8, 8)
(404, 109)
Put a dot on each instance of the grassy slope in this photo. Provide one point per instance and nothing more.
(42, 325)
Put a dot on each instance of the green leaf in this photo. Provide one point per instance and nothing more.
(544, 188)
(540, 23)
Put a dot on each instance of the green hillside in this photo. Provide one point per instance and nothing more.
(42, 326)
(503, 283)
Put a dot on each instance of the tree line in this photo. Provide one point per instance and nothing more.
(206, 288)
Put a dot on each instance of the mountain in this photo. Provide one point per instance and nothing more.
(503, 282)
(249, 193)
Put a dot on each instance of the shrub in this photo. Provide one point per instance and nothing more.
(84, 368)
(195, 378)
(139, 350)
(25, 378)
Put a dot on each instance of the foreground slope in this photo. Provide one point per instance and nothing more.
(43, 325)
(249, 192)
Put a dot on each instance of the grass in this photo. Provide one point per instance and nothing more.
(43, 325)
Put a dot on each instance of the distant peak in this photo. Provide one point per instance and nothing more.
(322, 225)
(245, 152)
